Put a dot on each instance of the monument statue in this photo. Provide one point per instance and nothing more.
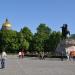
(63, 42)
(65, 31)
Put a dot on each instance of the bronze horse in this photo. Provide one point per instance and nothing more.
(65, 31)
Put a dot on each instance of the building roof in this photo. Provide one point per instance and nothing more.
(6, 23)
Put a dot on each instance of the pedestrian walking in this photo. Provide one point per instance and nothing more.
(42, 55)
(20, 54)
(3, 57)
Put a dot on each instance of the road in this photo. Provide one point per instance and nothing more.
(34, 66)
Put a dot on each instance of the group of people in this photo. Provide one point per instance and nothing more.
(4, 56)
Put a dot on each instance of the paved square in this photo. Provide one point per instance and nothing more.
(34, 66)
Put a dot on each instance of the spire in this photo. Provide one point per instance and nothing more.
(6, 20)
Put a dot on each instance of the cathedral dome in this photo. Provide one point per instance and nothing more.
(6, 25)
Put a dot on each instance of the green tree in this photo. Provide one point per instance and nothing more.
(27, 33)
(23, 43)
(8, 40)
(53, 41)
(27, 36)
(43, 32)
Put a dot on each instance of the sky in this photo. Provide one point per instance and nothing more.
(30, 13)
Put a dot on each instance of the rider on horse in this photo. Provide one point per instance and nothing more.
(65, 31)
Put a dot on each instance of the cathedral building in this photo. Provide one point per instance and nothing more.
(6, 25)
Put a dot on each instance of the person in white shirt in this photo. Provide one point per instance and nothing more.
(20, 54)
(3, 57)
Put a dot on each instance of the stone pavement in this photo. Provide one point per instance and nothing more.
(34, 66)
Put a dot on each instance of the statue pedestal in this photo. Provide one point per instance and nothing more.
(61, 48)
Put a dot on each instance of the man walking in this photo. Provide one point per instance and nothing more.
(3, 57)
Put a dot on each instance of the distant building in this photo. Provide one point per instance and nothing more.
(6, 25)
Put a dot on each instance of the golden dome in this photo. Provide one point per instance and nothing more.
(6, 24)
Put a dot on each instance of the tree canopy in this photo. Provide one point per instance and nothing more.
(43, 40)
